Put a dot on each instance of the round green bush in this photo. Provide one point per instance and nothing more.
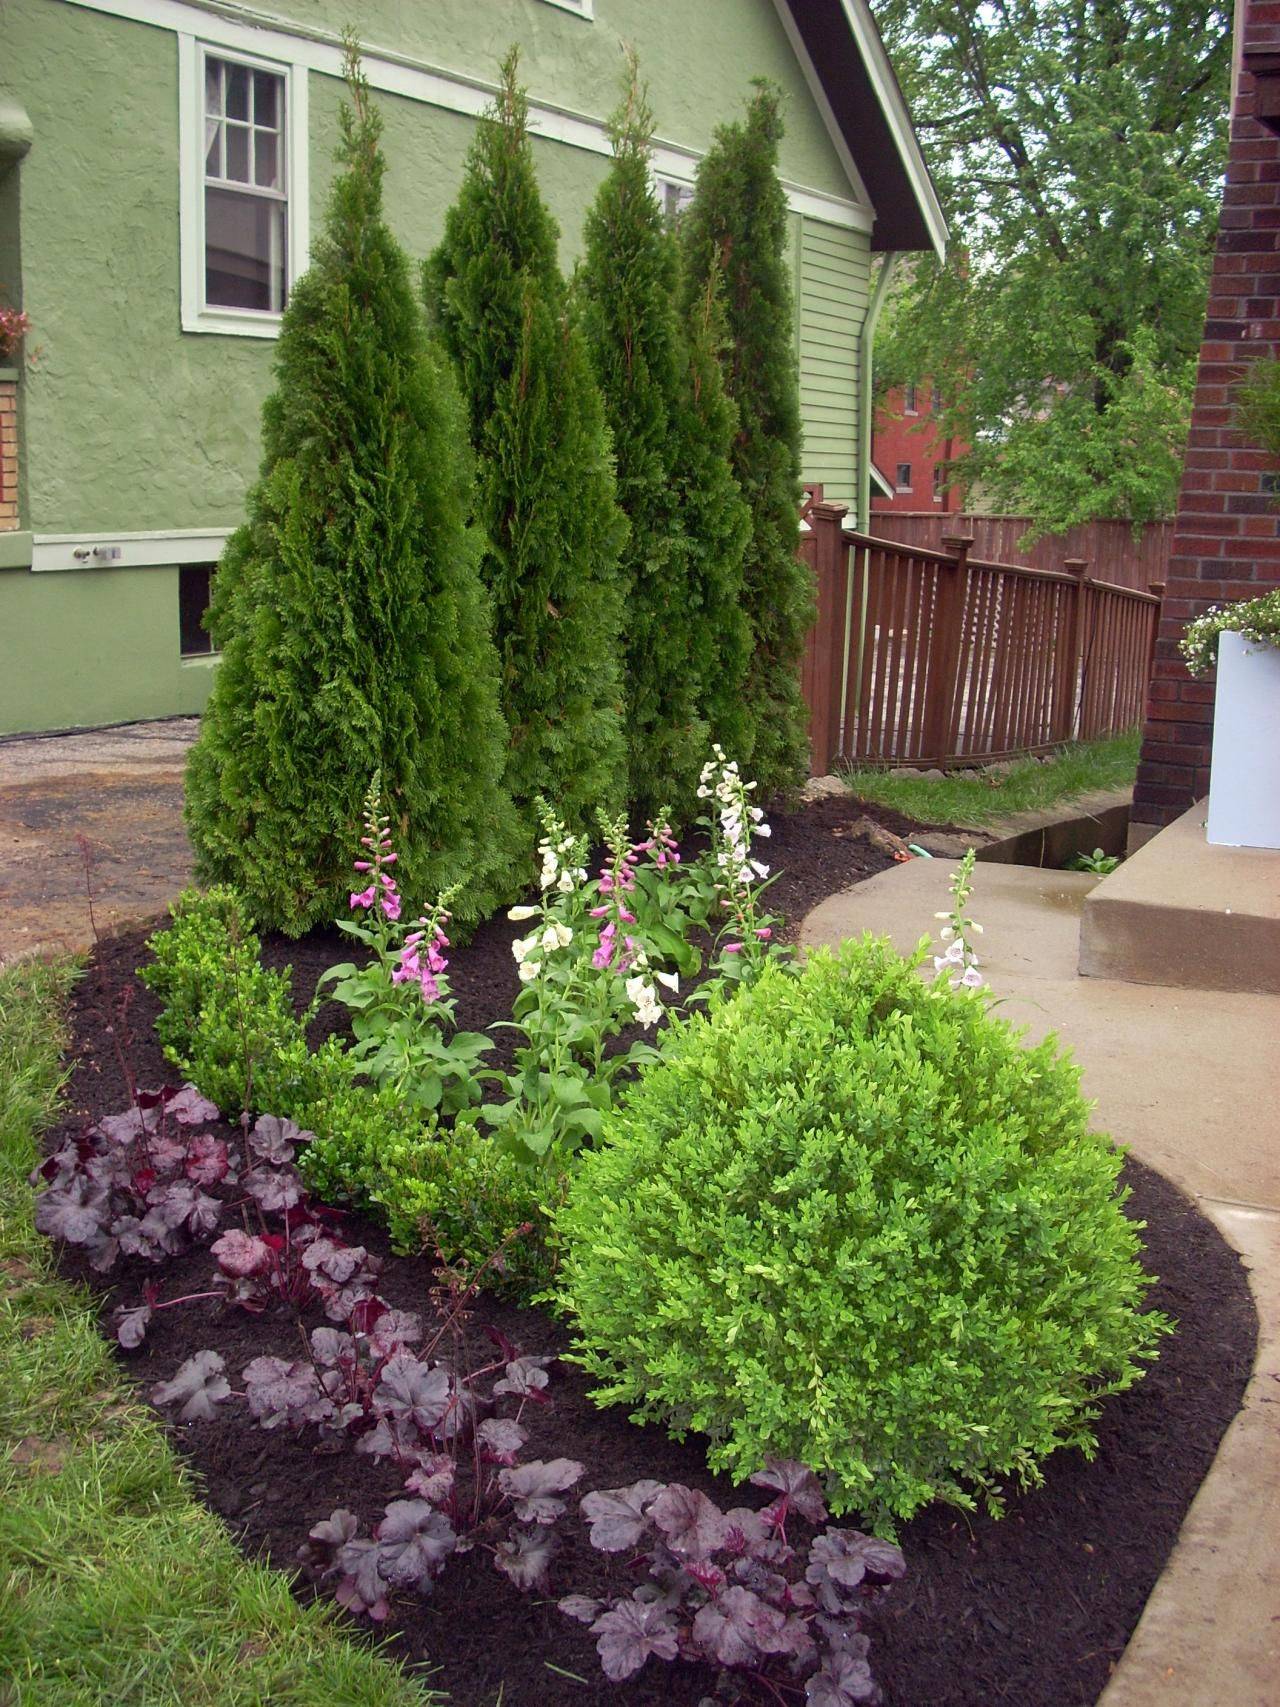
(849, 1219)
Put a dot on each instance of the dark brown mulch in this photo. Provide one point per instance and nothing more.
(1033, 1609)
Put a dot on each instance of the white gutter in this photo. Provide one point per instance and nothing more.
(862, 515)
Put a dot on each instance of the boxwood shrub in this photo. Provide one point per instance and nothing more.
(850, 1219)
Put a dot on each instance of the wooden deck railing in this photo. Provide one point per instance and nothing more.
(924, 657)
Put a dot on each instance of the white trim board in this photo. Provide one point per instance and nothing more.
(245, 29)
(176, 546)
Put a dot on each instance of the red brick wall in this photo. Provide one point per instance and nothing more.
(8, 454)
(1226, 542)
(899, 437)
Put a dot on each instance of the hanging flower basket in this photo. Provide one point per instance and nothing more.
(1244, 771)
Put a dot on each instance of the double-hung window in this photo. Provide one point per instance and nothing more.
(246, 199)
(243, 168)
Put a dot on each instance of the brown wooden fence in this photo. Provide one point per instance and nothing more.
(924, 657)
(1111, 549)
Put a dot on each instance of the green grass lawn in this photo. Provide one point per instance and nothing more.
(116, 1586)
(975, 798)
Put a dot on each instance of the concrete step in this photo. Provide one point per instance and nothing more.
(1182, 913)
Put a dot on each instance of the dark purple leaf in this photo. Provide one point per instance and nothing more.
(330, 1346)
(319, 1552)
(197, 1386)
(361, 1588)
(188, 1107)
(582, 1607)
(208, 1160)
(840, 1558)
(165, 1156)
(355, 1304)
(629, 1633)
(799, 1490)
(526, 1557)
(525, 1377)
(241, 1254)
(273, 1189)
(841, 1681)
(532, 1487)
(382, 1441)
(339, 1263)
(272, 1140)
(433, 1479)
(694, 1526)
(75, 1212)
(280, 1392)
(617, 1515)
(413, 1393)
(393, 1330)
(747, 1534)
(131, 1324)
(124, 1128)
(414, 1540)
(501, 1439)
(728, 1629)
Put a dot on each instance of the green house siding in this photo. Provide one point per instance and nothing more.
(132, 426)
(833, 288)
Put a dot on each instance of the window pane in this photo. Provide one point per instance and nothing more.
(265, 156)
(237, 145)
(213, 86)
(237, 91)
(266, 108)
(213, 148)
(193, 603)
(244, 251)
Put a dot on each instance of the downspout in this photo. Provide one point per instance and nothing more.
(866, 416)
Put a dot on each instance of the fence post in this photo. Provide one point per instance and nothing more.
(944, 649)
(830, 572)
(1078, 567)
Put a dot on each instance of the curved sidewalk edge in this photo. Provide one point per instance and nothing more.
(1186, 1079)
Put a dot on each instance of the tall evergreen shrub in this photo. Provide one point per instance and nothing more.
(349, 611)
(545, 492)
(736, 226)
(685, 636)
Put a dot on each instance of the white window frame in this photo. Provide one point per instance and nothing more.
(898, 484)
(663, 180)
(197, 315)
(580, 8)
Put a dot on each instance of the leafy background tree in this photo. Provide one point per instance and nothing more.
(735, 231)
(681, 567)
(1077, 146)
(349, 611)
(545, 493)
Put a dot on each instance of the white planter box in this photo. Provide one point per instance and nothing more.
(1244, 773)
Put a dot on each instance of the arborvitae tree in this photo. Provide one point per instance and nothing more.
(545, 493)
(671, 425)
(737, 226)
(349, 610)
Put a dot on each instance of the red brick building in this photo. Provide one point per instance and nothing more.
(908, 452)
(1226, 541)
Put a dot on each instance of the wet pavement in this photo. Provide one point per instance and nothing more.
(90, 815)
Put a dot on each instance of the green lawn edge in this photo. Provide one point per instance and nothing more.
(117, 1586)
(979, 798)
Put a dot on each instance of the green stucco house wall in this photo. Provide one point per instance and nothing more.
(162, 164)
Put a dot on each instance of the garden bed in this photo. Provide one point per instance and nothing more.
(1033, 1609)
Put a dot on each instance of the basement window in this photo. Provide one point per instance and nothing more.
(194, 582)
(243, 203)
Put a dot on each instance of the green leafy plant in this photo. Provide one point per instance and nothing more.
(545, 484)
(399, 1002)
(349, 609)
(850, 1218)
(734, 245)
(1100, 863)
(1258, 620)
(685, 636)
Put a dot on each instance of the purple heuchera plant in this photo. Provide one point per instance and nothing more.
(134, 1183)
(727, 1588)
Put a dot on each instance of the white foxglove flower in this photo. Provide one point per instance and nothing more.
(518, 914)
(761, 871)
(763, 830)
(970, 978)
(529, 970)
(522, 947)
(670, 979)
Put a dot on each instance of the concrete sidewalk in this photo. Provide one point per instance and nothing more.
(1186, 1079)
(115, 794)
